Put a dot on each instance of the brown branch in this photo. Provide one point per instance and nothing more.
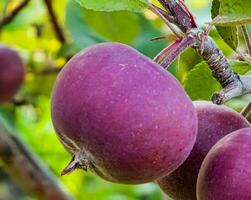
(26, 170)
(58, 30)
(246, 110)
(169, 54)
(20, 102)
(233, 84)
(7, 18)
(51, 70)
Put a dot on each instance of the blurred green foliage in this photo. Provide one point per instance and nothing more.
(32, 35)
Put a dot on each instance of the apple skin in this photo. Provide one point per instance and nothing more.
(214, 122)
(122, 115)
(11, 73)
(226, 170)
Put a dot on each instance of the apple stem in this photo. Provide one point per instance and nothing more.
(233, 84)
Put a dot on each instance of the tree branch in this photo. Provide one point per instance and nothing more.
(246, 110)
(25, 169)
(182, 17)
(10, 16)
(169, 54)
(233, 84)
(58, 30)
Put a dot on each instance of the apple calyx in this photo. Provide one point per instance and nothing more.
(78, 161)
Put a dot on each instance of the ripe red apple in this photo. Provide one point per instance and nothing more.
(225, 173)
(214, 122)
(122, 115)
(11, 73)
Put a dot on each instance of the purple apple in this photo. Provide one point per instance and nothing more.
(225, 173)
(11, 73)
(122, 115)
(214, 122)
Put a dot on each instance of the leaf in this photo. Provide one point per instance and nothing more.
(200, 84)
(239, 103)
(67, 50)
(114, 5)
(80, 32)
(225, 48)
(116, 26)
(88, 27)
(187, 61)
(228, 34)
(147, 32)
(240, 67)
(234, 12)
(84, 36)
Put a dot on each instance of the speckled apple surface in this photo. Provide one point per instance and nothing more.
(130, 118)
(11, 73)
(214, 122)
(226, 170)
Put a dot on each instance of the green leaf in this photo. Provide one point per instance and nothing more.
(67, 50)
(82, 35)
(225, 48)
(88, 27)
(234, 12)
(239, 103)
(147, 32)
(187, 60)
(228, 34)
(116, 26)
(240, 67)
(200, 84)
(114, 5)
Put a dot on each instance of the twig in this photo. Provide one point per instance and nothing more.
(169, 54)
(7, 18)
(166, 18)
(165, 37)
(26, 170)
(246, 38)
(246, 110)
(20, 102)
(49, 70)
(182, 17)
(58, 30)
(243, 57)
(233, 84)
